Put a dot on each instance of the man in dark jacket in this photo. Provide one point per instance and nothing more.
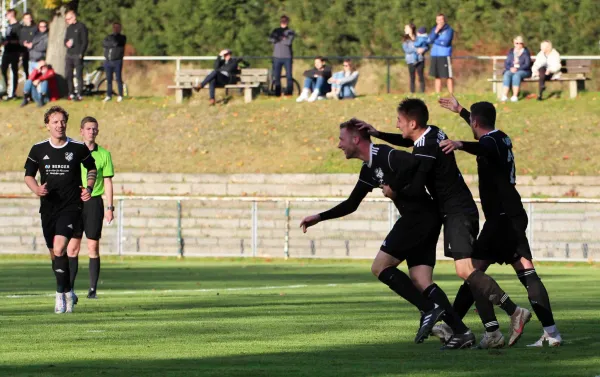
(38, 45)
(226, 69)
(76, 40)
(28, 31)
(114, 50)
(282, 39)
(12, 52)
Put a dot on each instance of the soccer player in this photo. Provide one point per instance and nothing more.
(503, 238)
(59, 161)
(439, 173)
(413, 237)
(93, 210)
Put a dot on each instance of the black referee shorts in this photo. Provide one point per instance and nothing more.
(441, 67)
(414, 239)
(460, 233)
(502, 242)
(59, 224)
(92, 218)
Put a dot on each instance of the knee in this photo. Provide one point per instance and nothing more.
(421, 282)
(376, 269)
(464, 272)
(73, 251)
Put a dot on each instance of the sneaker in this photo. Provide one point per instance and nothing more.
(428, 320)
(119, 99)
(107, 98)
(504, 99)
(553, 341)
(514, 99)
(69, 302)
(91, 294)
(313, 96)
(460, 341)
(25, 102)
(442, 331)
(59, 305)
(517, 322)
(71, 97)
(75, 298)
(303, 96)
(493, 339)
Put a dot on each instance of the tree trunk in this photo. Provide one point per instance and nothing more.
(57, 51)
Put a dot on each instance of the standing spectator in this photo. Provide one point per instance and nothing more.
(12, 52)
(517, 67)
(546, 66)
(226, 69)
(28, 31)
(315, 80)
(38, 46)
(441, 52)
(41, 85)
(343, 82)
(114, 50)
(282, 39)
(76, 40)
(414, 47)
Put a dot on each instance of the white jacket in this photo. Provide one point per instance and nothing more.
(551, 62)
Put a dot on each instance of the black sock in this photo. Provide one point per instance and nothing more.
(94, 273)
(73, 268)
(463, 301)
(485, 309)
(484, 287)
(438, 296)
(400, 283)
(538, 296)
(61, 271)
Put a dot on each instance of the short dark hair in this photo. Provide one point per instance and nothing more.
(415, 109)
(71, 11)
(27, 14)
(117, 23)
(485, 114)
(12, 10)
(352, 126)
(54, 110)
(43, 22)
(442, 15)
(319, 57)
(284, 18)
(88, 119)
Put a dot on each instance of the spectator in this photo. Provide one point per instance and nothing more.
(517, 67)
(441, 53)
(316, 81)
(414, 47)
(226, 69)
(12, 52)
(41, 85)
(546, 66)
(114, 50)
(76, 40)
(38, 46)
(28, 31)
(343, 82)
(282, 39)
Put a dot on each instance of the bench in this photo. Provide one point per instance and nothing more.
(250, 79)
(186, 80)
(573, 71)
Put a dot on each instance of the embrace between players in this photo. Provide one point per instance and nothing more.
(428, 190)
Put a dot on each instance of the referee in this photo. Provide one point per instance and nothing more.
(59, 160)
(93, 210)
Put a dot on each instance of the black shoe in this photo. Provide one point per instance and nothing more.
(428, 320)
(460, 341)
(91, 294)
(24, 103)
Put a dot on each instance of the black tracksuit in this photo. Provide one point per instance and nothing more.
(78, 33)
(12, 53)
(26, 35)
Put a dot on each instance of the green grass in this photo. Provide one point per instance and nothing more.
(356, 327)
(554, 137)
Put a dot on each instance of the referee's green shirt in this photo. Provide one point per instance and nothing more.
(105, 169)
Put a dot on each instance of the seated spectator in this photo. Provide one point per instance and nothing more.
(316, 81)
(41, 85)
(343, 82)
(517, 67)
(414, 46)
(546, 66)
(226, 70)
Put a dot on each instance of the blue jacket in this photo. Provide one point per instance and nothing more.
(442, 41)
(524, 60)
(410, 50)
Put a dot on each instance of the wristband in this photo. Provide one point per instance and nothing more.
(110, 208)
(89, 190)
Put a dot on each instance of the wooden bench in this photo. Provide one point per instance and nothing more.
(250, 79)
(573, 71)
(186, 80)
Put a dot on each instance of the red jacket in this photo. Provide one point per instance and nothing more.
(49, 76)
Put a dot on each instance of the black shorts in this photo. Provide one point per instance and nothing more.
(59, 224)
(502, 242)
(441, 67)
(414, 239)
(91, 221)
(460, 233)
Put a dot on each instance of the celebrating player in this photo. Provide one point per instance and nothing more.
(59, 161)
(93, 210)
(503, 238)
(414, 236)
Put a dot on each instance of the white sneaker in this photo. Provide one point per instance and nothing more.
(59, 305)
(119, 99)
(493, 339)
(553, 341)
(107, 98)
(442, 331)
(514, 99)
(303, 96)
(320, 98)
(313, 96)
(504, 99)
(517, 322)
(69, 302)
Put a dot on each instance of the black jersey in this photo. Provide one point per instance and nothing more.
(60, 168)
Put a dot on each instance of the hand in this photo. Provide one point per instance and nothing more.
(85, 195)
(223, 52)
(450, 103)
(309, 221)
(420, 50)
(42, 190)
(450, 145)
(35, 82)
(388, 192)
(362, 125)
(109, 216)
(513, 70)
(438, 28)
(547, 73)
(69, 43)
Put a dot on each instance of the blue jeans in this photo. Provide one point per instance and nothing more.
(39, 93)
(345, 90)
(32, 65)
(514, 79)
(278, 64)
(317, 83)
(116, 67)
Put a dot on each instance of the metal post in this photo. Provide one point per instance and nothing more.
(254, 227)
(120, 229)
(179, 236)
(388, 75)
(286, 242)
(530, 228)
(494, 75)
(178, 64)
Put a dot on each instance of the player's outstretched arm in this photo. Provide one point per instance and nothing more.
(451, 103)
(392, 138)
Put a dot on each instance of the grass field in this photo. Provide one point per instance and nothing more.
(164, 317)
(555, 137)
